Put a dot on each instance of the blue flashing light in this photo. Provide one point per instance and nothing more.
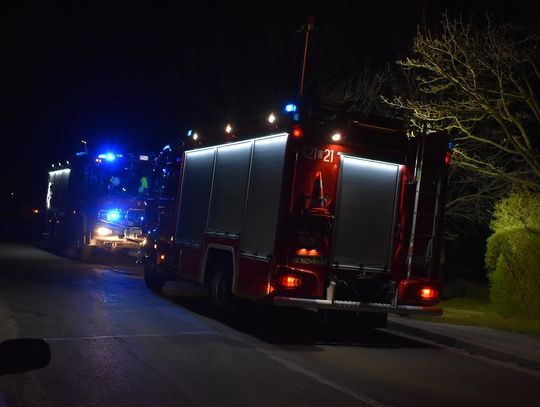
(113, 215)
(291, 107)
(189, 133)
(451, 145)
(107, 156)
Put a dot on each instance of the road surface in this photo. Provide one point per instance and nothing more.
(115, 343)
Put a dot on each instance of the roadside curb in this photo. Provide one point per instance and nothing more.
(465, 345)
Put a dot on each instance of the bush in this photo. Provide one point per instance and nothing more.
(521, 210)
(513, 256)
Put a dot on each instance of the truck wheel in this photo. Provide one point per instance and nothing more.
(153, 280)
(220, 291)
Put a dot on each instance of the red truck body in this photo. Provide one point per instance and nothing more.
(319, 210)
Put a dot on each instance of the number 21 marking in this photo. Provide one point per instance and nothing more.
(328, 155)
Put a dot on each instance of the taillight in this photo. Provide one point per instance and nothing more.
(447, 158)
(428, 293)
(306, 252)
(297, 131)
(290, 281)
(415, 291)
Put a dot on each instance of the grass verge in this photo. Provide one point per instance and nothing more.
(476, 311)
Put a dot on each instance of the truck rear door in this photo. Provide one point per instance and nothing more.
(366, 203)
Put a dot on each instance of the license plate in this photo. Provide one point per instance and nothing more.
(134, 232)
(310, 260)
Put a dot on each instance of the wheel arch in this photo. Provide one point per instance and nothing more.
(216, 254)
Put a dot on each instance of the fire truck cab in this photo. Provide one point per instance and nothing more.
(313, 208)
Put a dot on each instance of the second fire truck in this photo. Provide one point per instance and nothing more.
(98, 201)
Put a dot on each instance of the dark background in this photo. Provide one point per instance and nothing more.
(128, 75)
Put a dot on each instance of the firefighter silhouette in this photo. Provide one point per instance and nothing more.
(114, 182)
(143, 185)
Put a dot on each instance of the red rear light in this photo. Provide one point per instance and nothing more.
(297, 131)
(291, 281)
(306, 252)
(447, 158)
(428, 293)
(417, 291)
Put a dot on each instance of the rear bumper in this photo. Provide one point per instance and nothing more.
(357, 306)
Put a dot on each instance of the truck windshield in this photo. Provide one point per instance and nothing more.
(122, 180)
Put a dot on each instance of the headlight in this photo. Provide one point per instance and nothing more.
(102, 231)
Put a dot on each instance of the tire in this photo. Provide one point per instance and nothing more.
(220, 292)
(153, 280)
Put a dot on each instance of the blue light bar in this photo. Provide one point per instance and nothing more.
(291, 107)
(113, 215)
(107, 156)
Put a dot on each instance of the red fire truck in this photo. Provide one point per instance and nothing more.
(313, 208)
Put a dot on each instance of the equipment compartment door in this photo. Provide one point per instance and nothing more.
(365, 213)
(264, 194)
(195, 195)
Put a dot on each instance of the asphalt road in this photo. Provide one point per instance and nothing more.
(115, 343)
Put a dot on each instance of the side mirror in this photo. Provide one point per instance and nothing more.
(24, 354)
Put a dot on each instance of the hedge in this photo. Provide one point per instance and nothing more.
(513, 256)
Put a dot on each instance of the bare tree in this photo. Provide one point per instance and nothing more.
(480, 85)
(362, 91)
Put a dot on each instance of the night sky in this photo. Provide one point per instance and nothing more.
(134, 75)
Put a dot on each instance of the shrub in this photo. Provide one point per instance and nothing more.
(513, 256)
(518, 210)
